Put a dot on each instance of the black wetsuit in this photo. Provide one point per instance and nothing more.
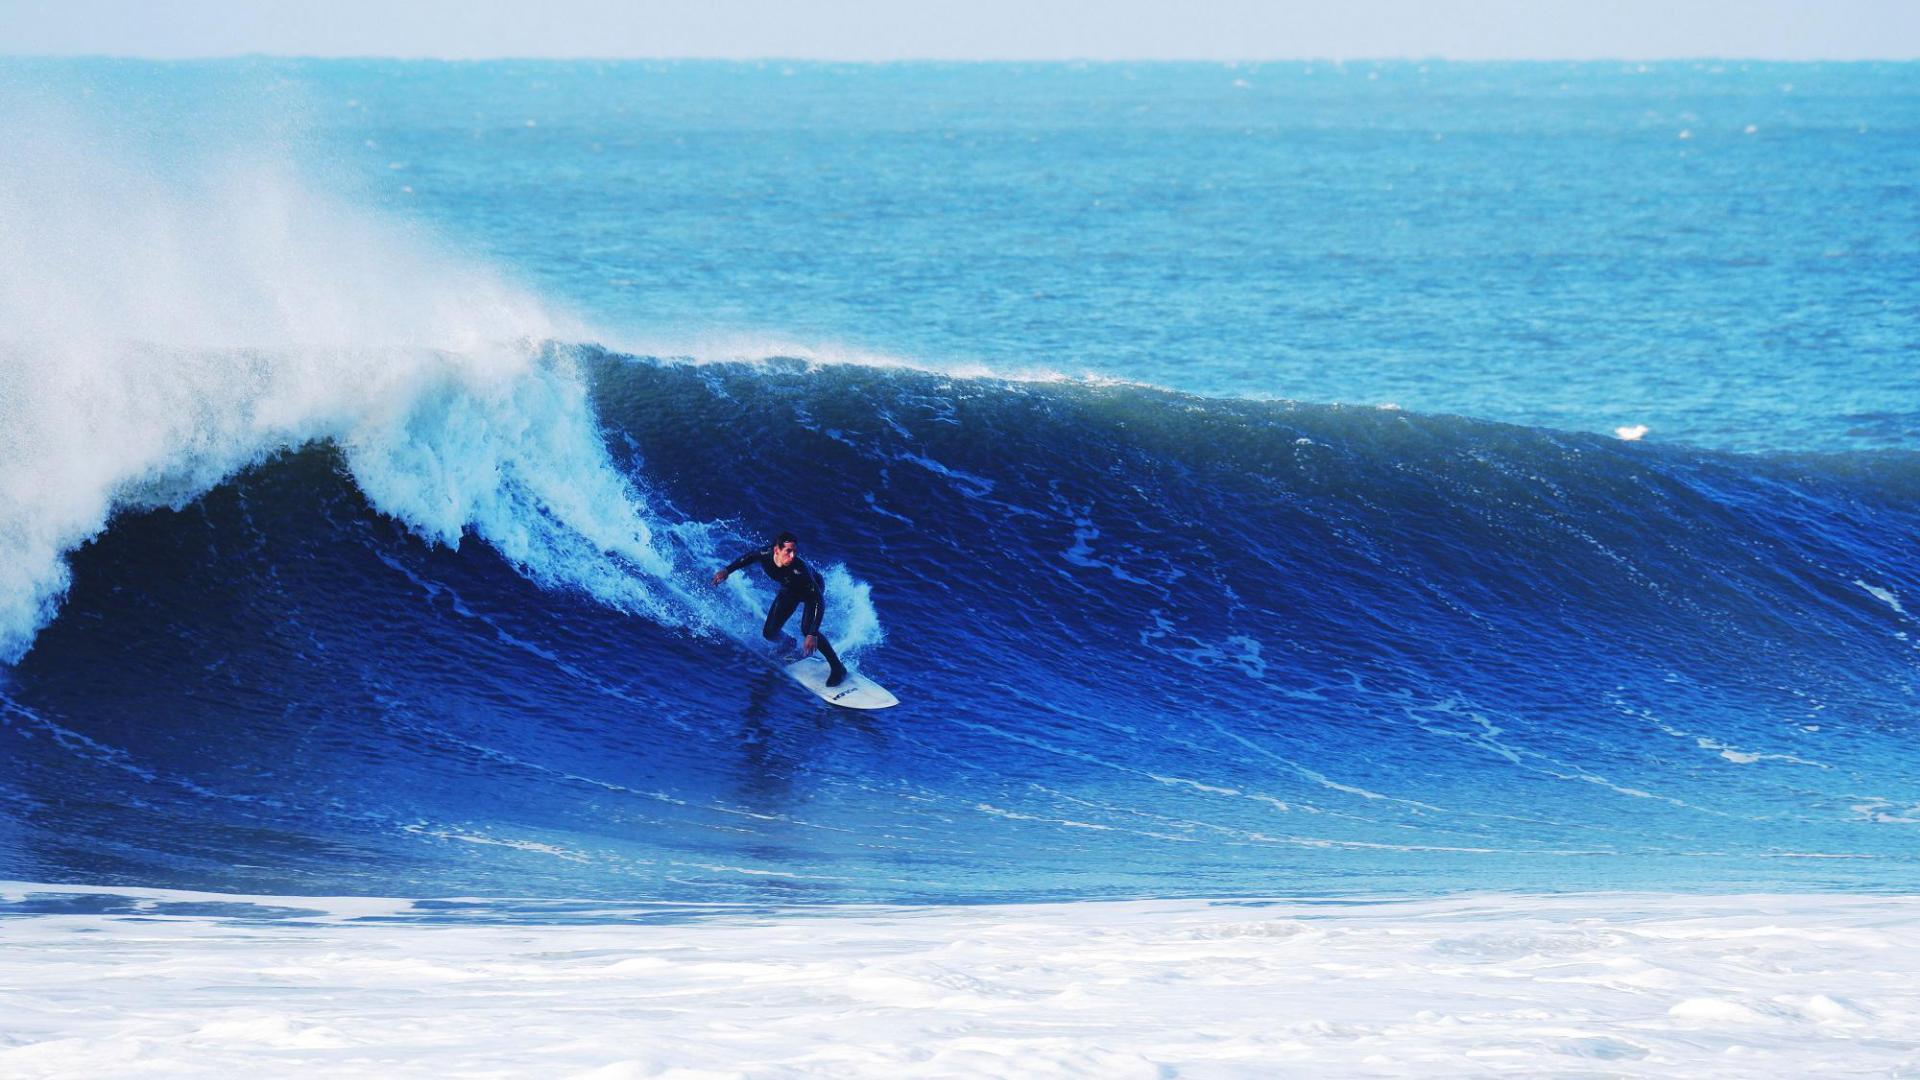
(799, 584)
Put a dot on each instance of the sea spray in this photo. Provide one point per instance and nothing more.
(166, 325)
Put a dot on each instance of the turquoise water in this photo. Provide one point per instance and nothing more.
(1726, 253)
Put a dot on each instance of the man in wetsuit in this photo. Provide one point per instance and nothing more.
(799, 583)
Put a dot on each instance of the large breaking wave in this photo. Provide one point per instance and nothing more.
(1148, 644)
(332, 562)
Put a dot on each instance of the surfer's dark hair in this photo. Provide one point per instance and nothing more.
(784, 539)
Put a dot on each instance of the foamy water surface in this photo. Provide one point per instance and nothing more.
(144, 983)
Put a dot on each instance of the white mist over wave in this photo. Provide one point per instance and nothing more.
(163, 326)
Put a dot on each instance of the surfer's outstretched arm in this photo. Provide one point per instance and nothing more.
(740, 563)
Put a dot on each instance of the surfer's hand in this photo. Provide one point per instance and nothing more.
(719, 576)
(806, 646)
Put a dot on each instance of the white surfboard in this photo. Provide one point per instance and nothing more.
(857, 692)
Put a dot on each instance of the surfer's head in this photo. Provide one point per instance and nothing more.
(783, 548)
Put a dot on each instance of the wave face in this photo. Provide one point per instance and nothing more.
(1147, 644)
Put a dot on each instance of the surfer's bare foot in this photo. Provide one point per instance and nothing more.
(836, 676)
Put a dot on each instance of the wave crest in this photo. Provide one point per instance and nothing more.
(184, 321)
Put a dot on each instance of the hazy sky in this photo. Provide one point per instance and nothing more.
(973, 29)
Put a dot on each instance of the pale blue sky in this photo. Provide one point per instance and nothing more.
(978, 29)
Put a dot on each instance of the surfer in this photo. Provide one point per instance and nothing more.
(799, 584)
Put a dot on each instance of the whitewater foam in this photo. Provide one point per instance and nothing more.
(1885, 596)
(1633, 984)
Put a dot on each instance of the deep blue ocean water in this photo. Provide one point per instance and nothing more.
(1220, 462)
